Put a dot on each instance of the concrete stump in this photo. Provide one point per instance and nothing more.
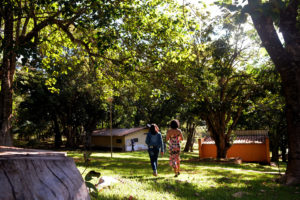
(29, 174)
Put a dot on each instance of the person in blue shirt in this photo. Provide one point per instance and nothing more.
(155, 143)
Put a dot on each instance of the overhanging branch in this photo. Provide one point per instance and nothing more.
(268, 35)
(65, 28)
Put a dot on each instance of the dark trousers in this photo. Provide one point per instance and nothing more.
(153, 154)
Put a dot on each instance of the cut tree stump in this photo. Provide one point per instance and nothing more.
(29, 174)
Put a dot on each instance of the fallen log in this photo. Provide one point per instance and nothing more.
(29, 174)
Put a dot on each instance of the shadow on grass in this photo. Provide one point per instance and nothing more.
(199, 180)
(245, 166)
(127, 157)
(113, 197)
(228, 185)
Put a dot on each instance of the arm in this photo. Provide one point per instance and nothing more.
(180, 136)
(147, 139)
(168, 136)
(161, 143)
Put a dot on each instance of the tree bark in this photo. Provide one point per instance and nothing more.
(69, 133)
(190, 138)
(287, 62)
(36, 174)
(220, 138)
(274, 145)
(8, 70)
(222, 146)
(283, 147)
(293, 124)
(58, 135)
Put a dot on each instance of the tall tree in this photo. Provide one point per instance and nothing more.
(99, 27)
(219, 82)
(72, 110)
(267, 16)
(267, 110)
(22, 23)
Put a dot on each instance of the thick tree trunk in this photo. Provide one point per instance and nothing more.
(293, 128)
(8, 70)
(220, 138)
(287, 62)
(222, 148)
(222, 144)
(35, 174)
(289, 70)
(6, 108)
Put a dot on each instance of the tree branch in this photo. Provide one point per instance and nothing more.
(235, 120)
(288, 27)
(268, 35)
(19, 21)
(37, 28)
(65, 28)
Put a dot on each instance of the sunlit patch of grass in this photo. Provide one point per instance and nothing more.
(198, 180)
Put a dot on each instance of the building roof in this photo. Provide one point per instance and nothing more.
(244, 137)
(116, 131)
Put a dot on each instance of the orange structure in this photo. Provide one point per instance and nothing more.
(249, 145)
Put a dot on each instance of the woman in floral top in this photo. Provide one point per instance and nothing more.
(174, 136)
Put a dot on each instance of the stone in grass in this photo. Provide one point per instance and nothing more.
(105, 182)
(131, 198)
(239, 194)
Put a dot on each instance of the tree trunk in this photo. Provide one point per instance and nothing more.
(221, 143)
(283, 147)
(190, 138)
(89, 128)
(220, 138)
(8, 70)
(69, 133)
(287, 62)
(58, 135)
(291, 87)
(293, 124)
(283, 153)
(35, 174)
(275, 154)
(274, 145)
(222, 148)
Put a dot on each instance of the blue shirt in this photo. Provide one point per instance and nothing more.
(155, 140)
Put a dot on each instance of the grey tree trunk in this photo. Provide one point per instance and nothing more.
(191, 130)
(32, 174)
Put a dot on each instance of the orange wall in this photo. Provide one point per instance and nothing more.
(247, 152)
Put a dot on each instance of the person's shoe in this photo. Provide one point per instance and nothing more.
(176, 175)
(154, 173)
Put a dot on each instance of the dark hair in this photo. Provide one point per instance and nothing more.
(154, 129)
(174, 124)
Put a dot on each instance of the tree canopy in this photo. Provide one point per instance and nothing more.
(154, 59)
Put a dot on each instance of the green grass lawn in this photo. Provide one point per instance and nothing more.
(198, 180)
